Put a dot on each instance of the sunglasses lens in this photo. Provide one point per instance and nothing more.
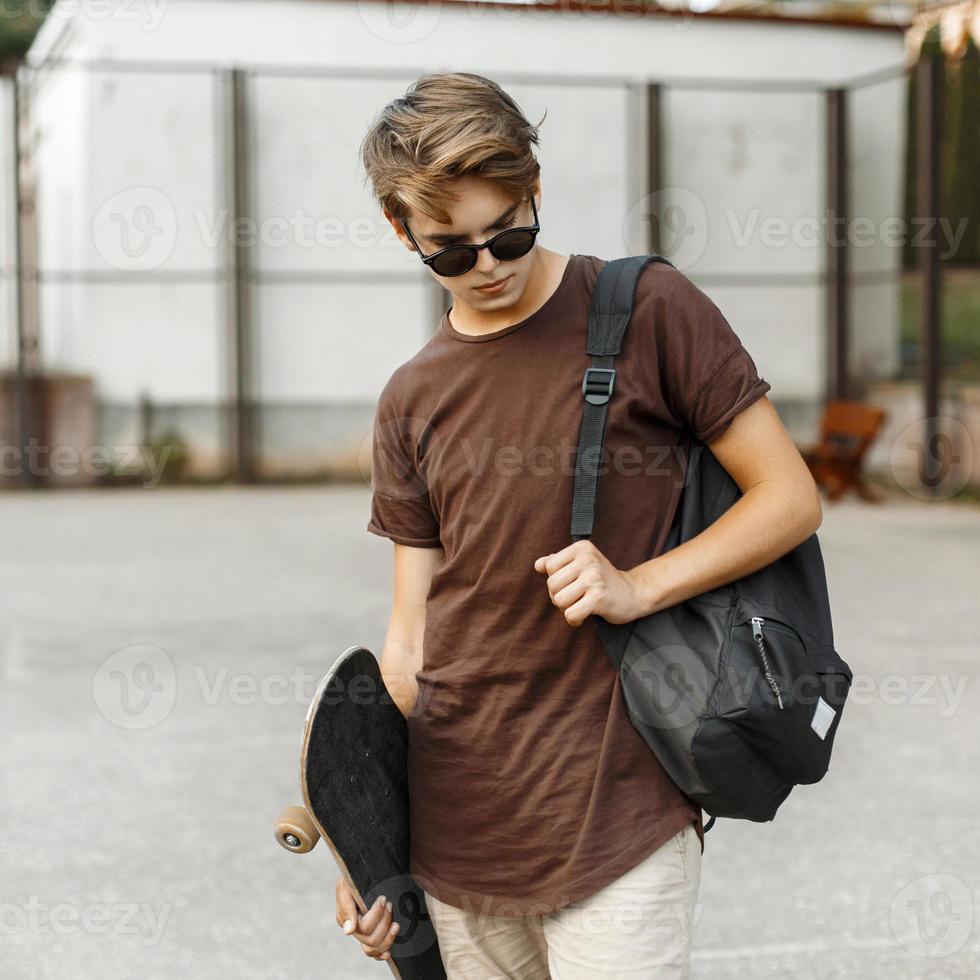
(512, 245)
(454, 262)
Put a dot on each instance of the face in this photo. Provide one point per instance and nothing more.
(481, 212)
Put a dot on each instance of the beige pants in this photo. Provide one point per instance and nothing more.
(638, 926)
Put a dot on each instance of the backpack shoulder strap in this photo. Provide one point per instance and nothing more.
(609, 315)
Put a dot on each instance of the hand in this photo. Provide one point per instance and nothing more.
(582, 581)
(373, 930)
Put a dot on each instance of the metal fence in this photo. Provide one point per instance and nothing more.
(236, 282)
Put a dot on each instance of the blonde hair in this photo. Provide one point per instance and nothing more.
(448, 125)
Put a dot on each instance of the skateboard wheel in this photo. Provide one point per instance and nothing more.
(296, 831)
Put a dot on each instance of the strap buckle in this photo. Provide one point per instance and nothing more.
(598, 390)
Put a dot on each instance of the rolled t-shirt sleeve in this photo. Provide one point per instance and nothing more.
(706, 375)
(401, 508)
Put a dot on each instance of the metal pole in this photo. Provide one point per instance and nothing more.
(242, 435)
(837, 382)
(654, 162)
(25, 349)
(929, 150)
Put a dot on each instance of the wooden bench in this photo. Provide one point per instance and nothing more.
(846, 432)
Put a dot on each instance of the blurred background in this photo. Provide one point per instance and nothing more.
(199, 304)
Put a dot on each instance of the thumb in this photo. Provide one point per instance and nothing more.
(347, 910)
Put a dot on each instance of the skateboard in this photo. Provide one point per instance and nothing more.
(355, 794)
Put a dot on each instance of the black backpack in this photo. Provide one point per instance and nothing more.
(737, 691)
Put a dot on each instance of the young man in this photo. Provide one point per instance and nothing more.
(547, 837)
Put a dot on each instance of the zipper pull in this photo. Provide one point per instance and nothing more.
(757, 624)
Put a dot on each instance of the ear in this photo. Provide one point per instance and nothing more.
(399, 229)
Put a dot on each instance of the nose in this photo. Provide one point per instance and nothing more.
(486, 263)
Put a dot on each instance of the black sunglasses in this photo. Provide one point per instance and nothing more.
(454, 260)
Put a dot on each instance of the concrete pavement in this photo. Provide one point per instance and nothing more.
(136, 805)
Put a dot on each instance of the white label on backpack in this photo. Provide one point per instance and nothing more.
(823, 717)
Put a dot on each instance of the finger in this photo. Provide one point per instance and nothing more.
(564, 576)
(570, 594)
(379, 932)
(551, 563)
(389, 940)
(347, 914)
(370, 919)
(578, 612)
(382, 943)
(379, 947)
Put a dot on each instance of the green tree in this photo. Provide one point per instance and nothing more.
(963, 142)
(19, 22)
(960, 190)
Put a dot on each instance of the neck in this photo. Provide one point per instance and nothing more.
(546, 271)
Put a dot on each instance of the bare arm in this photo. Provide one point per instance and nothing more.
(401, 655)
(779, 507)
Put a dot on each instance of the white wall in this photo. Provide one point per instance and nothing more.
(741, 156)
(748, 171)
(372, 33)
(877, 135)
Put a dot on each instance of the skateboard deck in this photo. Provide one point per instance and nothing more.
(353, 774)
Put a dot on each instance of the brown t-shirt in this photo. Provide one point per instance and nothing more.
(529, 786)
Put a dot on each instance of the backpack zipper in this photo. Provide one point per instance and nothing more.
(757, 624)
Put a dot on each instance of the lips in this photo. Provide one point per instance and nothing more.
(491, 285)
